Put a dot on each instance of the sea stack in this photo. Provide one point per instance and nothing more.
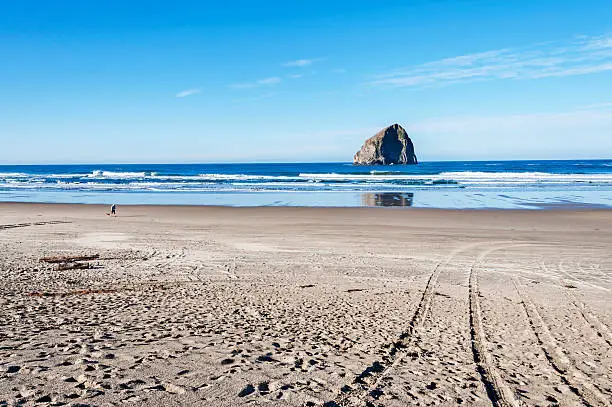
(389, 146)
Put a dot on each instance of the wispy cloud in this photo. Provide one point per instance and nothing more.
(583, 55)
(300, 62)
(580, 133)
(187, 92)
(269, 81)
(273, 80)
(603, 105)
(536, 122)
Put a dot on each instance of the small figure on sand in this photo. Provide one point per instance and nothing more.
(113, 211)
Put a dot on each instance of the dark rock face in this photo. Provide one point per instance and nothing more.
(391, 145)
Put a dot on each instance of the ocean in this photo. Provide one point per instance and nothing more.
(459, 184)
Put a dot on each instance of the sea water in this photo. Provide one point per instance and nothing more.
(459, 184)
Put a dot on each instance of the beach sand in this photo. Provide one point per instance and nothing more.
(305, 306)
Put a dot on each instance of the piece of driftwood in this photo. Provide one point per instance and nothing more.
(72, 266)
(69, 259)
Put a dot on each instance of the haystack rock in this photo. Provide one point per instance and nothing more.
(389, 146)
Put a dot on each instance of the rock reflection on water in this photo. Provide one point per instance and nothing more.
(387, 199)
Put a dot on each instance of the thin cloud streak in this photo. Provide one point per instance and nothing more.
(273, 80)
(187, 92)
(300, 63)
(582, 56)
(270, 81)
(604, 105)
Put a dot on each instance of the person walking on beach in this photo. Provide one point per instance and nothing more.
(113, 210)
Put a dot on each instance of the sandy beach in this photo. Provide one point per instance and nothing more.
(223, 306)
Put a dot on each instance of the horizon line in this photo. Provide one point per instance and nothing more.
(296, 162)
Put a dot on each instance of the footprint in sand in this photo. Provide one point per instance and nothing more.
(248, 390)
(13, 369)
(263, 388)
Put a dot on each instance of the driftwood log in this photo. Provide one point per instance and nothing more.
(72, 266)
(69, 259)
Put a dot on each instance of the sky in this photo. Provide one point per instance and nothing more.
(302, 81)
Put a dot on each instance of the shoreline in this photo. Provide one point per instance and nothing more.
(362, 220)
(529, 184)
(570, 207)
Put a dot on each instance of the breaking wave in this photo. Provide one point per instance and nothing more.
(103, 180)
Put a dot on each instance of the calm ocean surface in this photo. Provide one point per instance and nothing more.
(476, 184)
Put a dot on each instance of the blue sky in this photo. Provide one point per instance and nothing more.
(95, 82)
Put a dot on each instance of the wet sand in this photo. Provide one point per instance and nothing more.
(305, 306)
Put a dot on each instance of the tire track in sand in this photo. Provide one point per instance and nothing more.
(368, 381)
(576, 279)
(596, 325)
(497, 390)
(568, 373)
